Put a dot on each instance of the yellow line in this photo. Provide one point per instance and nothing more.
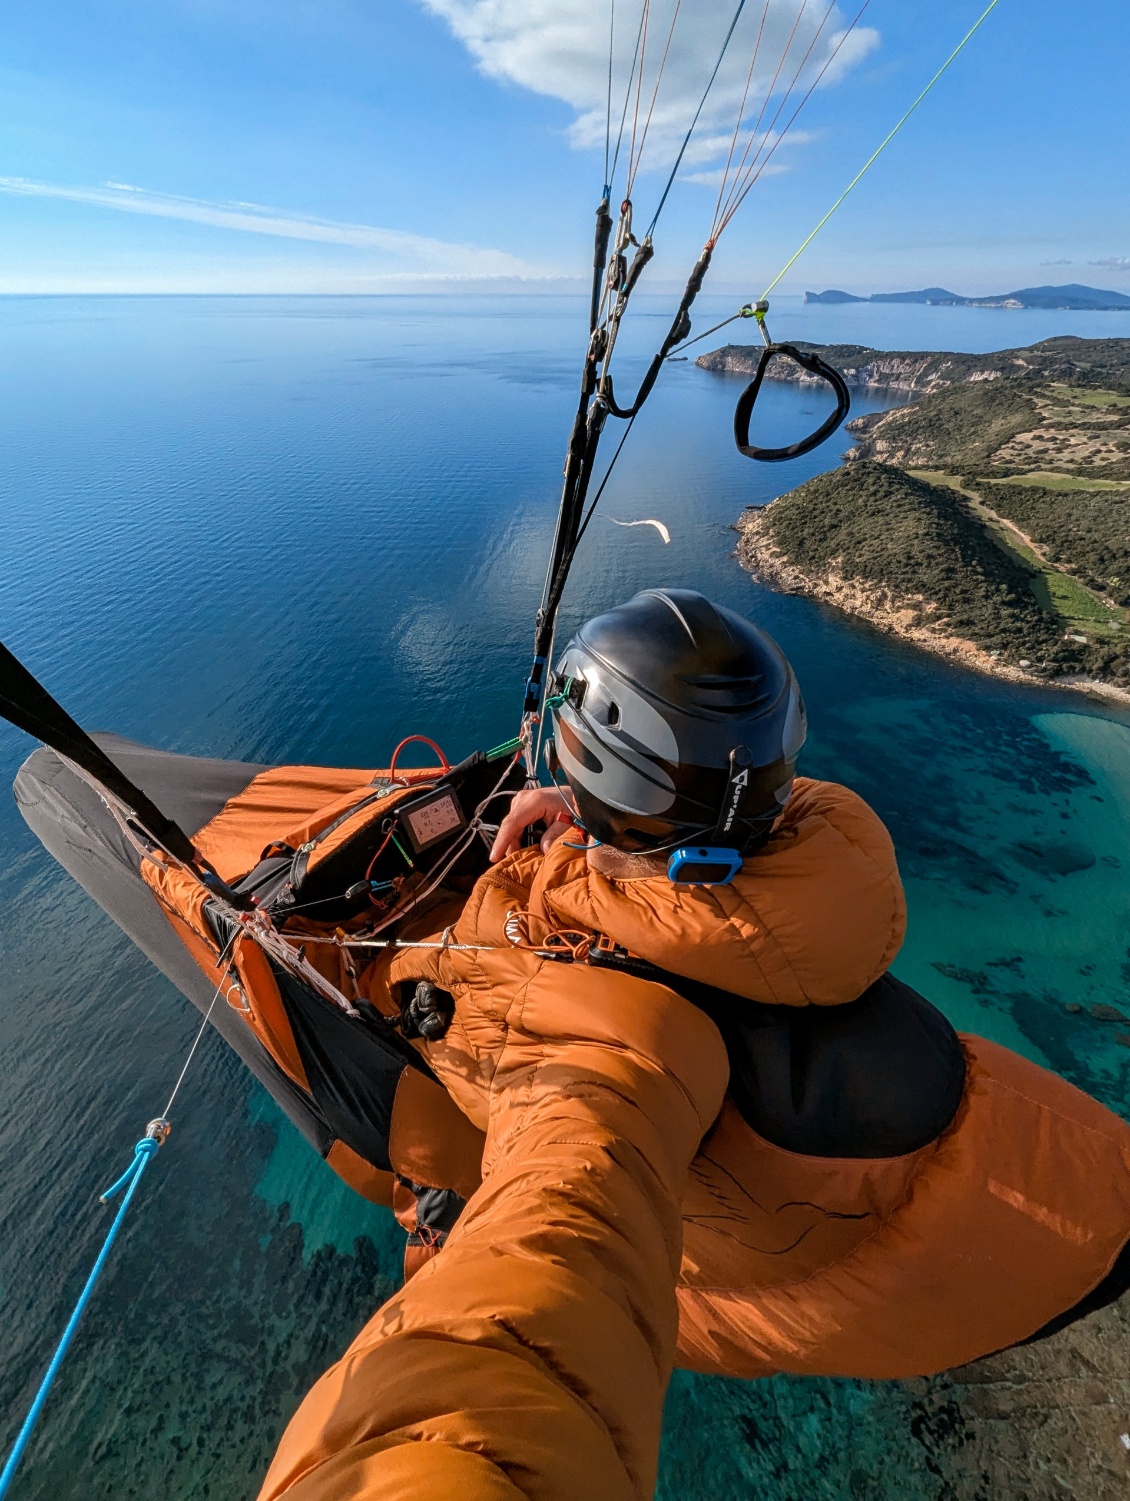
(877, 153)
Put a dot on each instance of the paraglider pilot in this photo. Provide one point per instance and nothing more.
(730, 1139)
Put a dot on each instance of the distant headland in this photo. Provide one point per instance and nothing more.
(1073, 298)
(986, 518)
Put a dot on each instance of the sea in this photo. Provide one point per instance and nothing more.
(297, 529)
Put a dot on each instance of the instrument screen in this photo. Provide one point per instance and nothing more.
(428, 821)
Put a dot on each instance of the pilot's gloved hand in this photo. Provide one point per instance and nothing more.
(428, 1012)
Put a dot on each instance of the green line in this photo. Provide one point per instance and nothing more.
(875, 155)
(404, 852)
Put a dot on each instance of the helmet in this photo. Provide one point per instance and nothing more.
(658, 702)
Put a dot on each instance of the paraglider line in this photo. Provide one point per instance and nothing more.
(608, 104)
(600, 489)
(875, 155)
(748, 310)
(638, 155)
(717, 228)
(741, 113)
(755, 167)
(698, 111)
(609, 175)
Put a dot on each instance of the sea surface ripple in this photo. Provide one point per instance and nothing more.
(297, 529)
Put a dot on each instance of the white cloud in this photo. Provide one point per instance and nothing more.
(399, 253)
(1113, 263)
(560, 48)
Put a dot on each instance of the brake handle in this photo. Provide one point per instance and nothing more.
(744, 409)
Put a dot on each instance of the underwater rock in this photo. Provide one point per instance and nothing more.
(1053, 859)
(1042, 1421)
(1103, 1013)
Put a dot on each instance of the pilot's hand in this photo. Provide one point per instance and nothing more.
(549, 805)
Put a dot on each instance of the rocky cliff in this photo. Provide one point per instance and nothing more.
(919, 372)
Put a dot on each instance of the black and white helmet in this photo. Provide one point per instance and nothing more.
(661, 694)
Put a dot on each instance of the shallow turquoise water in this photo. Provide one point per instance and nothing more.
(298, 529)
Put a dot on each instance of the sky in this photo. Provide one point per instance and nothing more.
(353, 146)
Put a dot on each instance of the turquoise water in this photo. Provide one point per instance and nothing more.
(298, 529)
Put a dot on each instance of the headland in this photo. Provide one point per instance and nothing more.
(986, 518)
(1071, 298)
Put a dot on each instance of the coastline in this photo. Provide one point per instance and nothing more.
(880, 608)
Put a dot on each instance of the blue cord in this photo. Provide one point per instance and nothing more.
(142, 1152)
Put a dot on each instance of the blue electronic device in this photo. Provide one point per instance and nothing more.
(704, 865)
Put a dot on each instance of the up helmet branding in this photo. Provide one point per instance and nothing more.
(662, 694)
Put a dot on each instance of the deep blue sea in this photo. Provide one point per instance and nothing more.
(297, 529)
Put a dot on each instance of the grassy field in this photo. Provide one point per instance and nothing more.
(1050, 480)
(1075, 605)
(1059, 593)
(1081, 397)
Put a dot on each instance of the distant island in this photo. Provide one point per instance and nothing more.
(987, 518)
(1073, 298)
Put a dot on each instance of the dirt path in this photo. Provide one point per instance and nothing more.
(1010, 528)
(936, 477)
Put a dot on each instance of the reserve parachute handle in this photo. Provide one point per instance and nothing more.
(746, 402)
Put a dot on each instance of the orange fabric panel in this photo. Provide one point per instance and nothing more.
(290, 804)
(367, 812)
(1015, 1214)
(369, 802)
(813, 919)
(431, 1141)
(257, 999)
(380, 1471)
(404, 1205)
(267, 1015)
(540, 1341)
(372, 1183)
(416, 1259)
(756, 1216)
(272, 807)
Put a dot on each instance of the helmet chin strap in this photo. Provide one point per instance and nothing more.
(719, 858)
(734, 797)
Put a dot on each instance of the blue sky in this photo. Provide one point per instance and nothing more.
(382, 145)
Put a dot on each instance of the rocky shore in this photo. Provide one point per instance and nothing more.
(906, 615)
(985, 516)
(920, 372)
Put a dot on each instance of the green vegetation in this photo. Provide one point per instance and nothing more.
(1050, 480)
(1066, 597)
(1085, 531)
(878, 525)
(1074, 395)
(1017, 416)
(925, 549)
(961, 427)
(993, 508)
(1017, 530)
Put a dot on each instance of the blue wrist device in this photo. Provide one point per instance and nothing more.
(704, 865)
